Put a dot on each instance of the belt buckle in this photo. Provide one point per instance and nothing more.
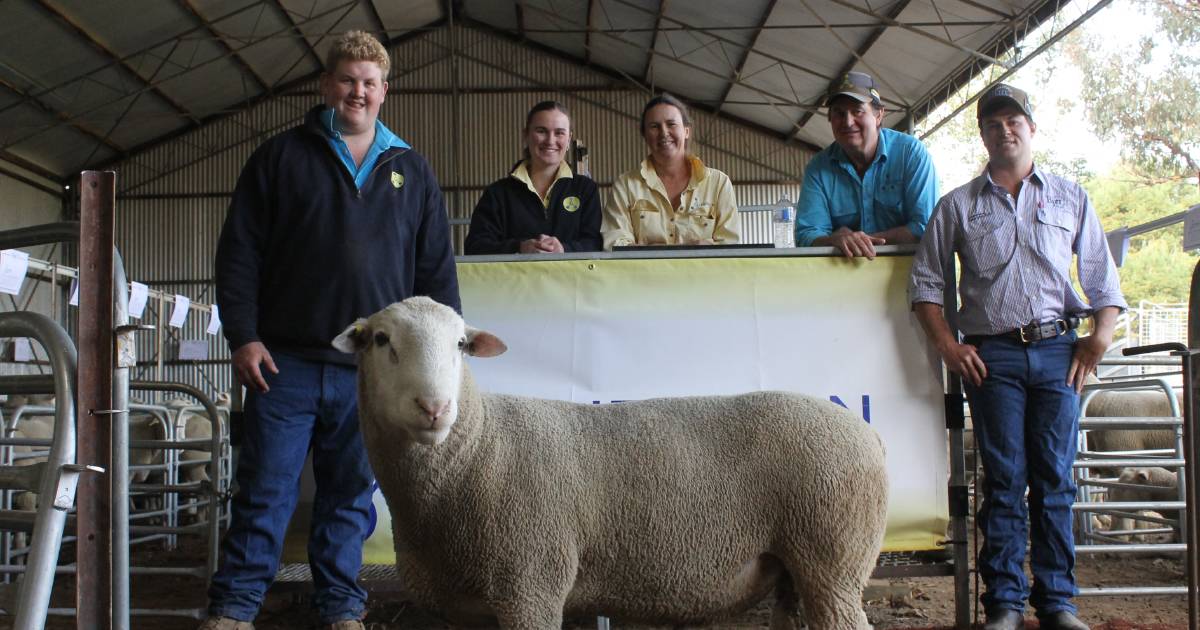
(1060, 325)
(1021, 332)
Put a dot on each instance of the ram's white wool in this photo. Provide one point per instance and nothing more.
(679, 511)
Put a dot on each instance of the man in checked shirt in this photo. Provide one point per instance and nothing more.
(1015, 228)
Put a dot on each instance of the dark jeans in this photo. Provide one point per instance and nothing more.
(1026, 420)
(310, 406)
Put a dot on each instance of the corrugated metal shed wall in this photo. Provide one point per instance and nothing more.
(172, 198)
(21, 206)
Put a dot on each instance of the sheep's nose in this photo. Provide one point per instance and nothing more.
(433, 407)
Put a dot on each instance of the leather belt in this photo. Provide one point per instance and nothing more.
(1037, 331)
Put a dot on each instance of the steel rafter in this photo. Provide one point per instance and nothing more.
(70, 23)
(36, 169)
(295, 28)
(987, 9)
(60, 116)
(614, 74)
(658, 18)
(708, 30)
(941, 40)
(234, 56)
(309, 45)
(720, 38)
(114, 62)
(519, 9)
(741, 66)
(893, 14)
(775, 99)
(282, 89)
(1005, 43)
(59, 192)
(587, 34)
(506, 69)
(373, 13)
(196, 122)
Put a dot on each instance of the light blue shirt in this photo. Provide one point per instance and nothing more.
(899, 188)
(1016, 254)
(384, 140)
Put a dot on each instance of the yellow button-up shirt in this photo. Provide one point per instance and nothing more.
(639, 212)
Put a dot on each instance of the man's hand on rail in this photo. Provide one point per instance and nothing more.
(246, 362)
(853, 243)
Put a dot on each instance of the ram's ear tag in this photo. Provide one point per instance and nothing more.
(352, 338)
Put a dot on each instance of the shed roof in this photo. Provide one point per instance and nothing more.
(91, 83)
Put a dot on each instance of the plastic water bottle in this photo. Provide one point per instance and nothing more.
(783, 223)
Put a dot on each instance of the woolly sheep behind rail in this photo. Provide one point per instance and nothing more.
(677, 511)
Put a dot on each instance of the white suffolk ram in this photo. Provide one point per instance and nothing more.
(680, 511)
(1145, 484)
(1130, 404)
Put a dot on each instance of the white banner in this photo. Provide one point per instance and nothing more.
(605, 330)
(599, 331)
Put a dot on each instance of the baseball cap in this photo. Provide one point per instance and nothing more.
(858, 86)
(1002, 94)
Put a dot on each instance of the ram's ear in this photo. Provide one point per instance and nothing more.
(353, 339)
(481, 343)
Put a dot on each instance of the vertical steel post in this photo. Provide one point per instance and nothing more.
(959, 489)
(456, 154)
(1191, 446)
(93, 549)
(125, 358)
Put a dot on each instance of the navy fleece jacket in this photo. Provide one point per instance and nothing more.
(304, 253)
(508, 213)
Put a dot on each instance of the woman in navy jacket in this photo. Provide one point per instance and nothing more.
(541, 207)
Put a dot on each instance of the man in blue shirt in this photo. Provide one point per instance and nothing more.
(872, 186)
(330, 220)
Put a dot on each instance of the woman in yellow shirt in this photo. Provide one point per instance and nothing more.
(672, 198)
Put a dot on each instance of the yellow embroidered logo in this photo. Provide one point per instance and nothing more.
(397, 180)
(571, 204)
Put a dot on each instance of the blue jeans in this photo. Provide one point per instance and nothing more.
(310, 406)
(1026, 420)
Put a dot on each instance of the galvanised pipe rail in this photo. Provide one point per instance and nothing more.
(214, 526)
(60, 484)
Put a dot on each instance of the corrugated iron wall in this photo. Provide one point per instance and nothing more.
(459, 96)
(22, 206)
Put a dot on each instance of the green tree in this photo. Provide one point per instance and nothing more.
(1156, 268)
(1146, 96)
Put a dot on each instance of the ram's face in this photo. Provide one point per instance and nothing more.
(411, 361)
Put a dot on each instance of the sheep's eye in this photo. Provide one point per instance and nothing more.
(462, 343)
(381, 339)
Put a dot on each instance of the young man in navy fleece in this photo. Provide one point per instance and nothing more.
(330, 221)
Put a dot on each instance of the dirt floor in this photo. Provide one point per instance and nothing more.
(890, 604)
